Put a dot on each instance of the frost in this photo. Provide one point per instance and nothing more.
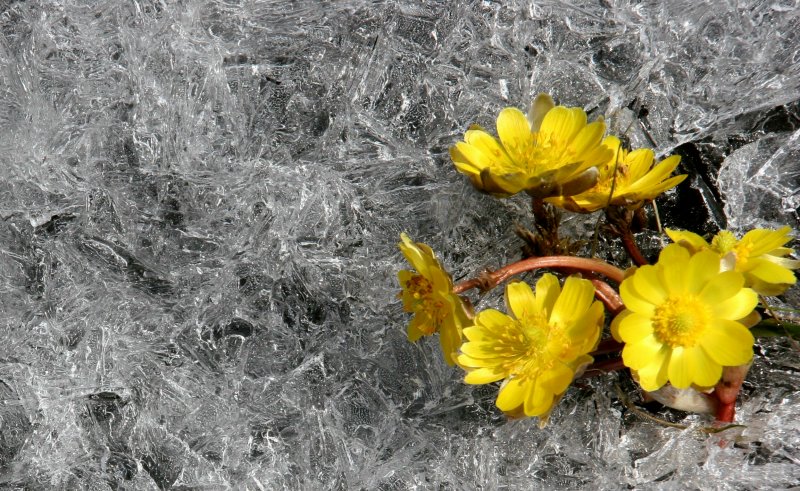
(761, 182)
(199, 210)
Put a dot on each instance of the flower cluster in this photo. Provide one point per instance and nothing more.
(554, 153)
(681, 325)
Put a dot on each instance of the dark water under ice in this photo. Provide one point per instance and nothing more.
(200, 204)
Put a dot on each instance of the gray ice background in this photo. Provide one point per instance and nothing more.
(200, 204)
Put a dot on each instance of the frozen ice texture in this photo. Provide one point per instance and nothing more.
(200, 203)
(761, 182)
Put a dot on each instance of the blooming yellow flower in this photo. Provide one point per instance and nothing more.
(428, 294)
(630, 175)
(539, 348)
(759, 255)
(680, 323)
(551, 152)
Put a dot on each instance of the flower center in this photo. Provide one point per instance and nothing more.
(534, 341)
(680, 321)
(620, 181)
(723, 242)
(421, 290)
(419, 287)
(540, 153)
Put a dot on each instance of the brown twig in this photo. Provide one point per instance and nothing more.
(620, 221)
(491, 279)
(606, 294)
(607, 346)
(632, 249)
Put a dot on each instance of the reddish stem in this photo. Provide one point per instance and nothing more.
(494, 278)
(726, 412)
(608, 296)
(727, 390)
(606, 346)
(633, 250)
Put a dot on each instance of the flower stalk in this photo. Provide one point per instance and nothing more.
(491, 279)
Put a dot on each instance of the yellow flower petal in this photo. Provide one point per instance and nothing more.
(428, 294)
(538, 400)
(768, 289)
(562, 124)
(728, 343)
(547, 291)
(470, 167)
(655, 176)
(690, 240)
(703, 267)
(679, 371)
(653, 376)
(673, 260)
(575, 298)
(413, 254)
(685, 332)
(586, 328)
(539, 108)
(763, 240)
(450, 341)
(536, 355)
(588, 138)
(641, 353)
(514, 132)
(776, 257)
(734, 307)
(492, 324)
(616, 322)
(416, 328)
(487, 353)
(520, 299)
(511, 395)
(639, 162)
(632, 299)
(557, 380)
(705, 371)
(770, 272)
(650, 192)
(548, 153)
(646, 285)
(484, 375)
(634, 327)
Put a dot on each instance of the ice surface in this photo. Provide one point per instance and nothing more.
(200, 203)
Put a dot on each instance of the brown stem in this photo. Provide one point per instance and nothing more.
(632, 249)
(491, 279)
(606, 346)
(608, 296)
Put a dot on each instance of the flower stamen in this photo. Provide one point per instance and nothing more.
(680, 321)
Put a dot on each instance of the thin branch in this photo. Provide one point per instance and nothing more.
(632, 249)
(489, 280)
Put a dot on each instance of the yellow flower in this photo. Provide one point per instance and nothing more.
(759, 255)
(551, 152)
(539, 348)
(680, 323)
(428, 294)
(634, 182)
